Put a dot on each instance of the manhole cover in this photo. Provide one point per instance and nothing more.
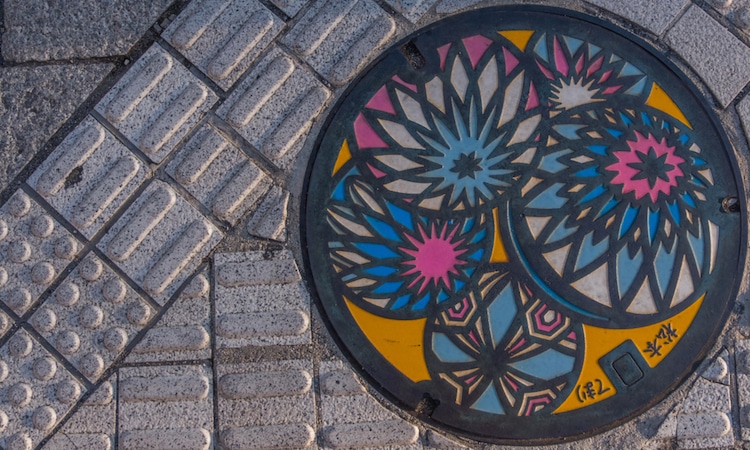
(514, 223)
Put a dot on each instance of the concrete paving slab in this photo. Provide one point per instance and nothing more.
(219, 175)
(260, 301)
(166, 406)
(92, 316)
(339, 38)
(37, 391)
(157, 103)
(41, 30)
(183, 333)
(274, 107)
(36, 101)
(353, 419)
(92, 425)
(35, 251)
(89, 176)
(712, 51)
(276, 404)
(411, 9)
(269, 218)
(290, 7)
(655, 18)
(160, 240)
(223, 37)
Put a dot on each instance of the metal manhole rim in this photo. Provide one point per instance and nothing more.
(621, 34)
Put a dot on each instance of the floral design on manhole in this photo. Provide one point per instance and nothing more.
(526, 229)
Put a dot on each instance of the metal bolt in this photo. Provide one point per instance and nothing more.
(426, 406)
(730, 205)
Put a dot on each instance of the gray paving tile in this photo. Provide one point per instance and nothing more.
(260, 302)
(160, 240)
(742, 355)
(166, 407)
(268, 221)
(5, 324)
(89, 176)
(36, 101)
(274, 107)
(156, 103)
(655, 17)
(92, 425)
(219, 175)
(439, 442)
(702, 420)
(36, 392)
(352, 418)
(454, 6)
(338, 38)
(40, 30)
(223, 37)
(183, 332)
(34, 249)
(91, 317)
(713, 52)
(411, 9)
(743, 109)
(276, 401)
(290, 7)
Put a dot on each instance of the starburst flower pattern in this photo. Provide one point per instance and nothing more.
(649, 167)
(568, 94)
(467, 165)
(435, 257)
(399, 263)
(451, 142)
(582, 74)
(648, 226)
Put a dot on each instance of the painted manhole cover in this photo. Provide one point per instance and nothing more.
(514, 223)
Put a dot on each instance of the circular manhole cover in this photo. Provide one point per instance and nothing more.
(517, 215)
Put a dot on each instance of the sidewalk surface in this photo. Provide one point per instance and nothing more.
(152, 288)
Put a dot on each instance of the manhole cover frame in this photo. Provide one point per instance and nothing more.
(561, 431)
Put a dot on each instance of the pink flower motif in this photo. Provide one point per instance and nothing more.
(435, 257)
(649, 167)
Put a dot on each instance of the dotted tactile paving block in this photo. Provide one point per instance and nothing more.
(259, 301)
(337, 38)
(34, 249)
(160, 240)
(35, 392)
(5, 324)
(89, 176)
(274, 107)
(92, 425)
(166, 407)
(219, 175)
(277, 401)
(92, 316)
(156, 103)
(223, 37)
